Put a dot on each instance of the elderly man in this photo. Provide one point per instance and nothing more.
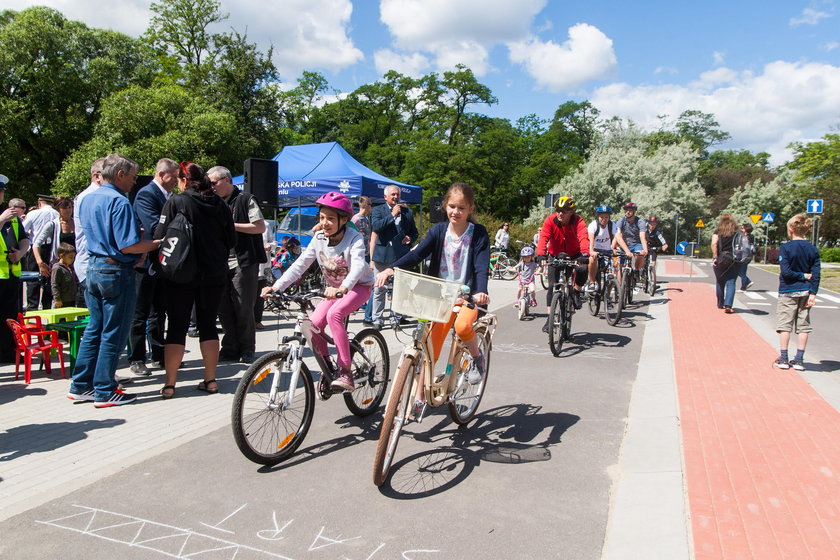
(13, 245)
(149, 316)
(393, 223)
(236, 312)
(81, 263)
(114, 248)
(38, 292)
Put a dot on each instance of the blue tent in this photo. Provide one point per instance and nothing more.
(306, 172)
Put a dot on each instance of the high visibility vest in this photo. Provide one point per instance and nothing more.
(6, 267)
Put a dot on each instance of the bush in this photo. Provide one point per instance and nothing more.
(830, 254)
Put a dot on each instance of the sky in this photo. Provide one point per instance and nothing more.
(768, 70)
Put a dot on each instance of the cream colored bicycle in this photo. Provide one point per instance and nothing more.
(431, 300)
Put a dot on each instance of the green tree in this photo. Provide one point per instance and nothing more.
(179, 34)
(818, 176)
(54, 75)
(146, 124)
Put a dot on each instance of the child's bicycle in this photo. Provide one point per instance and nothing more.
(649, 271)
(275, 399)
(526, 301)
(415, 368)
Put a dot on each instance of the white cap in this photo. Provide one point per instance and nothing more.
(3, 180)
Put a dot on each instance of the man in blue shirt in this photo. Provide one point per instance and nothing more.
(114, 246)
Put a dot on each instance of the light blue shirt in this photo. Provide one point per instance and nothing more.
(109, 223)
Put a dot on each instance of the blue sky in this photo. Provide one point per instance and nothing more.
(769, 70)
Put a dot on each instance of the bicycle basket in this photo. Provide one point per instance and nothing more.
(423, 297)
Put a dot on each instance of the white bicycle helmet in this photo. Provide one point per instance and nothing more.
(527, 251)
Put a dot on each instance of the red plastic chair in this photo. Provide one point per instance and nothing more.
(30, 342)
(33, 322)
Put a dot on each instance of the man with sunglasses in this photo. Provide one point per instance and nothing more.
(564, 233)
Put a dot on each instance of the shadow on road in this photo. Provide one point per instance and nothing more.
(15, 391)
(38, 438)
(512, 434)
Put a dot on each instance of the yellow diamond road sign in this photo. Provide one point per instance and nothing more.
(755, 218)
(700, 223)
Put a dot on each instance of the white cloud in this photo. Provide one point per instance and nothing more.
(666, 70)
(763, 112)
(719, 57)
(458, 32)
(830, 46)
(305, 34)
(410, 64)
(587, 55)
(809, 16)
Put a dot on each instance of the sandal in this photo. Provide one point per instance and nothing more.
(163, 392)
(205, 386)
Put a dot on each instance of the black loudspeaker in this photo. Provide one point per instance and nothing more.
(261, 180)
(436, 212)
(139, 183)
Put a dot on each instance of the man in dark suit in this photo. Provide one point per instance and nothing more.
(149, 314)
(396, 231)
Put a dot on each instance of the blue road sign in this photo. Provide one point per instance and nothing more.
(768, 217)
(815, 206)
(681, 247)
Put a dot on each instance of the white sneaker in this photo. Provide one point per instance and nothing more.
(476, 373)
(139, 368)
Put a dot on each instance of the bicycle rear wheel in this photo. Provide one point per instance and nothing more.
(612, 302)
(569, 310)
(396, 415)
(556, 320)
(268, 430)
(595, 298)
(464, 400)
(370, 375)
(507, 268)
(628, 283)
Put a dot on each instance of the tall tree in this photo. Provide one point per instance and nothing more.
(54, 75)
(463, 90)
(818, 172)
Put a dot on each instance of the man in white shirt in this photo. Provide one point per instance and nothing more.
(40, 291)
(602, 241)
(80, 265)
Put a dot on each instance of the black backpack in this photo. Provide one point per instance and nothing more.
(176, 261)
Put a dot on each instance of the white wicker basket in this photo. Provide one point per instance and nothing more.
(423, 297)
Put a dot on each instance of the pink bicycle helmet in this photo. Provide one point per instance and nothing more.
(337, 201)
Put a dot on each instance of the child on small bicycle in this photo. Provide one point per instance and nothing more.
(340, 252)
(288, 253)
(526, 270)
(460, 252)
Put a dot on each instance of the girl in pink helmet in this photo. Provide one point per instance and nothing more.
(340, 252)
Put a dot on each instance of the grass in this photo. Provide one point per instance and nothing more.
(829, 277)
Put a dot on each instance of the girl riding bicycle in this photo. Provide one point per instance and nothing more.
(526, 269)
(460, 252)
(340, 252)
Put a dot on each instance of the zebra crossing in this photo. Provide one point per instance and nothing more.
(824, 301)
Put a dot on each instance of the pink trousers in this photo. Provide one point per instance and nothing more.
(332, 312)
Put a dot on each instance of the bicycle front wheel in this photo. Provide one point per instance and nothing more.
(507, 268)
(396, 415)
(464, 400)
(569, 310)
(612, 302)
(370, 372)
(556, 319)
(652, 278)
(268, 429)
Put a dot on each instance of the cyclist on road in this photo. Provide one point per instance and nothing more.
(633, 232)
(460, 252)
(526, 269)
(655, 239)
(340, 252)
(564, 233)
(602, 241)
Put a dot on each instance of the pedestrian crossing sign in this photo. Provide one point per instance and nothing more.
(700, 223)
(755, 218)
(768, 217)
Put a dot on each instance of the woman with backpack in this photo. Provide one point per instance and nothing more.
(724, 265)
(212, 239)
(749, 250)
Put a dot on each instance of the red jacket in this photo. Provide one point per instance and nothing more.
(572, 239)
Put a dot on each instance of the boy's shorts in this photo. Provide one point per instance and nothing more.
(792, 315)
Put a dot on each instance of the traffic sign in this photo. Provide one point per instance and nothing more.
(681, 247)
(768, 217)
(755, 218)
(815, 206)
(700, 223)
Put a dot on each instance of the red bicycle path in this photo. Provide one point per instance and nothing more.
(760, 445)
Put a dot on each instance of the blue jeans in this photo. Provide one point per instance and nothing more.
(725, 290)
(110, 298)
(742, 274)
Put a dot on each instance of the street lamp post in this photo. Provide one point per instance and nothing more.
(676, 229)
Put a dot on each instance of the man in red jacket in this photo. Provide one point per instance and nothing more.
(564, 234)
